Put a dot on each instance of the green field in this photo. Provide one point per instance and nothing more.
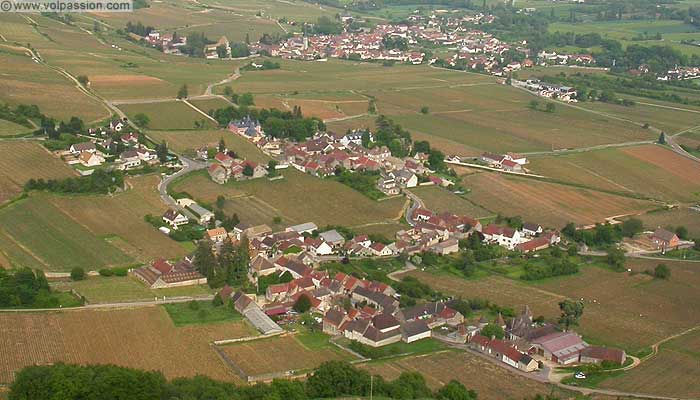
(172, 115)
(680, 216)
(121, 289)
(188, 141)
(8, 128)
(260, 200)
(200, 312)
(442, 200)
(36, 234)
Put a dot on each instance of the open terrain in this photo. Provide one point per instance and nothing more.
(549, 204)
(260, 200)
(442, 200)
(650, 170)
(8, 128)
(187, 141)
(142, 338)
(681, 216)
(168, 115)
(280, 354)
(629, 311)
(22, 161)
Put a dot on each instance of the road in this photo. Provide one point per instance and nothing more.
(416, 203)
(143, 303)
(189, 165)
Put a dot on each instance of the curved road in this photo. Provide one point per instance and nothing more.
(416, 203)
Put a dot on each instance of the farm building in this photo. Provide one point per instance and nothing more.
(162, 274)
(560, 347)
(665, 240)
(596, 354)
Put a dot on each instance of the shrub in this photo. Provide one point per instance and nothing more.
(77, 274)
(106, 272)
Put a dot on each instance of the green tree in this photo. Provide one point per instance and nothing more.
(454, 390)
(222, 51)
(248, 170)
(493, 330)
(204, 260)
(571, 312)
(83, 79)
(632, 227)
(662, 271)
(550, 107)
(366, 139)
(425, 110)
(222, 145)
(682, 232)
(162, 151)
(616, 258)
(662, 138)
(220, 201)
(142, 120)
(246, 100)
(182, 93)
(77, 274)
(303, 304)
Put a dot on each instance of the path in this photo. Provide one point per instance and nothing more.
(126, 304)
(408, 268)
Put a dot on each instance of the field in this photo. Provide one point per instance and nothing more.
(121, 289)
(200, 312)
(21, 161)
(8, 128)
(489, 380)
(549, 204)
(630, 311)
(260, 200)
(672, 372)
(143, 338)
(290, 354)
(648, 170)
(442, 200)
(57, 233)
(325, 109)
(188, 141)
(207, 105)
(167, 115)
(680, 216)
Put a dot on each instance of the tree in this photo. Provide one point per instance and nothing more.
(682, 232)
(303, 304)
(366, 139)
(222, 51)
(550, 107)
(272, 167)
(142, 120)
(220, 201)
(571, 312)
(246, 100)
(632, 227)
(222, 145)
(228, 92)
(247, 38)
(77, 274)
(248, 170)
(424, 110)
(204, 260)
(493, 330)
(662, 271)
(616, 258)
(662, 138)
(84, 80)
(162, 151)
(454, 390)
(182, 93)
(96, 27)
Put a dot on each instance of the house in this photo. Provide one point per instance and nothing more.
(380, 249)
(561, 347)
(665, 240)
(530, 229)
(333, 238)
(318, 247)
(174, 219)
(446, 247)
(217, 235)
(388, 186)
(333, 320)
(354, 137)
(202, 213)
(503, 236)
(308, 227)
(380, 330)
(116, 125)
(597, 354)
(415, 330)
(162, 274)
(511, 166)
(254, 314)
(218, 173)
(90, 159)
(405, 178)
(248, 128)
(129, 159)
(79, 148)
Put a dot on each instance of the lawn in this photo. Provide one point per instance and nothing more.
(260, 200)
(115, 289)
(172, 115)
(8, 128)
(552, 205)
(649, 170)
(200, 312)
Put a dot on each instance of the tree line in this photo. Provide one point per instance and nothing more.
(100, 181)
(25, 288)
(331, 379)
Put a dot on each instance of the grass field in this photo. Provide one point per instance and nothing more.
(8, 128)
(680, 216)
(167, 116)
(188, 141)
(57, 233)
(325, 109)
(260, 200)
(143, 338)
(290, 354)
(200, 312)
(115, 289)
(649, 170)
(672, 372)
(629, 311)
(21, 161)
(442, 200)
(489, 380)
(549, 204)
(207, 105)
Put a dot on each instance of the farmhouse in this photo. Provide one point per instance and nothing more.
(83, 147)
(503, 236)
(174, 219)
(162, 274)
(665, 240)
(90, 159)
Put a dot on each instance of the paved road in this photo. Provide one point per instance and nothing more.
(416, 203)
(189, 165)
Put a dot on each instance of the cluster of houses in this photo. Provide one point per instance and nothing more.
(508, 162)
(553, 58)
(526, 342)
(227, 167)
(169, 42)
(550, 90)
(100, 148)
(680, 74)
(325, 152)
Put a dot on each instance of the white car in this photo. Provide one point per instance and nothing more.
(580, 375)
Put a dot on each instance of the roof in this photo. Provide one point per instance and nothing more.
(199, 210)
(603, 353)
(334, 316)
(332, 236)
(385, 321)
(664, 235)
(415, 328)
(216, 232)
(561, 344)
(309, 226)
